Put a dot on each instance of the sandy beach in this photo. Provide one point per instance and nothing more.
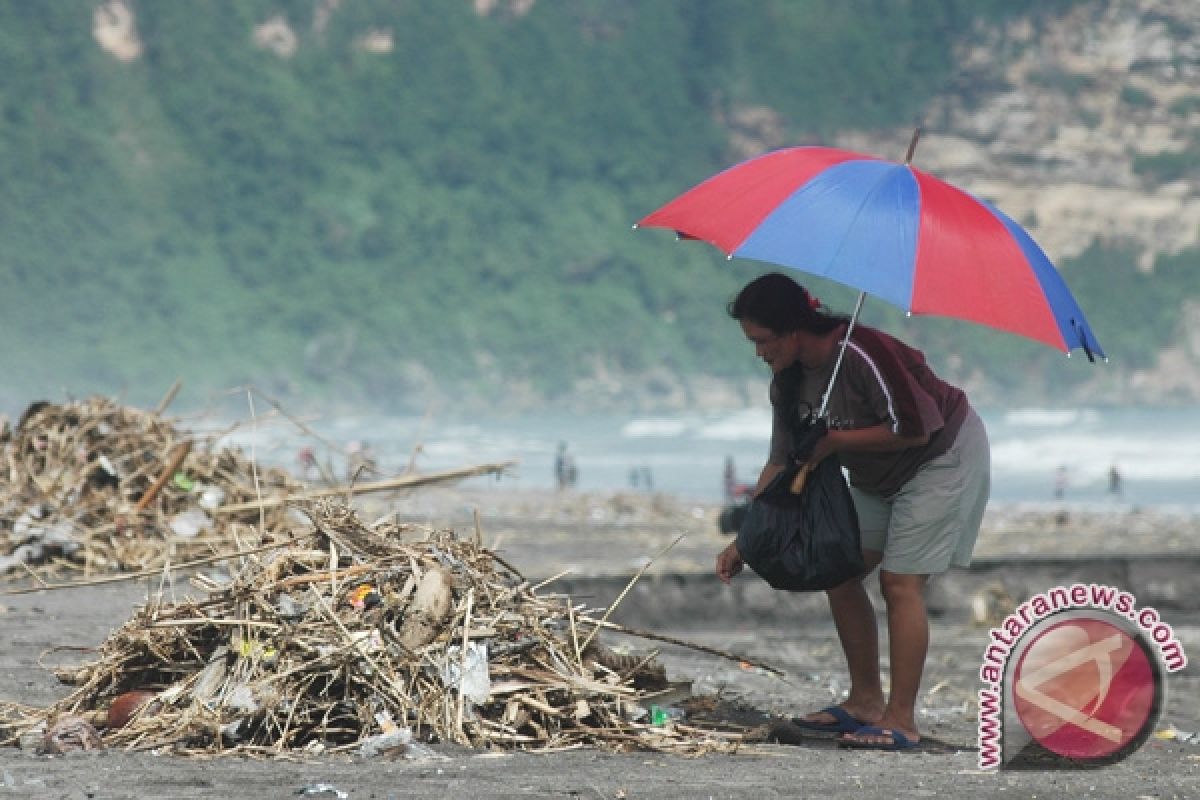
(595, 544)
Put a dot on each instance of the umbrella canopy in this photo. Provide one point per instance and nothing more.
(886, 229)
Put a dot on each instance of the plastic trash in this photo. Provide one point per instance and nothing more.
(37, 535)
(289, 608)
(211, 497)
(242, 700)
(665, 715)
(943, 712)
(21, 527)
(1173, 734)
(210, 679)
(468, 674)
(31, 739)
(188, 524)
(364, 597)
(394, 741)
(323, 788)
(108, 467)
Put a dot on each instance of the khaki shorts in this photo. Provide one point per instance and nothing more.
(932, 523)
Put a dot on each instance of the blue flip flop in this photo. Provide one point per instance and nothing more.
(844, 721)
(898, 740)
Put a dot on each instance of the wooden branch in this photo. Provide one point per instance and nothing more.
(146, 573)
(658, 637)
(176, 460)
(406, 482)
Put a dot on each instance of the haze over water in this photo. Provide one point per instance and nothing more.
(1156, 451)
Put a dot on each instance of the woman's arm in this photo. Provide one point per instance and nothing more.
(769, 471)
(876, 439)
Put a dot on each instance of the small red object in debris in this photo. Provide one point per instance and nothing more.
(125, 706)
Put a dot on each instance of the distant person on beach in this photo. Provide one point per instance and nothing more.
(1114, 480)
(1061, 481)
(734, 491)
(565, 472)
(308, 462)
(919, 465)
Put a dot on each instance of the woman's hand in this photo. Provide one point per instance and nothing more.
(729, 563)
(824, 448)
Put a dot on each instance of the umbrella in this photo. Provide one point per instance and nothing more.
(886, 229)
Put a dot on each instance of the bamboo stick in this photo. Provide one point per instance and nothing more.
(404, 482)
(177, 458)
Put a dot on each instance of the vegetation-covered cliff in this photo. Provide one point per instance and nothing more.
(396, 204)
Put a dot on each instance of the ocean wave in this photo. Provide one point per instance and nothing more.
(1050, 417)
(654, 427)
(752, 424)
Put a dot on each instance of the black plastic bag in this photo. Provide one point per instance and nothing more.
(808, 541)
(729, 520)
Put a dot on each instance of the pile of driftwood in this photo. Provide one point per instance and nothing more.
(96, 487)
(363, 639)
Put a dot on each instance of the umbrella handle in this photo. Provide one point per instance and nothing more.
(837, 365)
(801, 478)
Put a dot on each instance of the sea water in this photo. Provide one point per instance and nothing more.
(1051, 456)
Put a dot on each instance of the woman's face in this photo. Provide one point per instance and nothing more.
(778, 350)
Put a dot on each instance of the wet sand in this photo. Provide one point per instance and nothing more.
(602, 541)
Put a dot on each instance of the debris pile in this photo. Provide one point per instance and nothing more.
(94, 486)
(365, 640)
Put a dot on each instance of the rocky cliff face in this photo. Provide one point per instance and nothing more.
(1050, 118)
(1078, 102)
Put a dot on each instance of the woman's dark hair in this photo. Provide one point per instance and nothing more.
(778, 303)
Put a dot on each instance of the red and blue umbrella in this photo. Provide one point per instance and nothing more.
(888, 230)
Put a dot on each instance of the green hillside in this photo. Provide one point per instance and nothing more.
(342, 225)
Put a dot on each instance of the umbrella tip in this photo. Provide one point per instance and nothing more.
(912, 144)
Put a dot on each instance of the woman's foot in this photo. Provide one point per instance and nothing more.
(836, 719)
(881, 736)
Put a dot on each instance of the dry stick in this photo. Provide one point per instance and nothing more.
(262, 512)
(168, 398)
(147, 573)
(176, 459)
(34, 574)
(551, 579)
(462, 666)
(625, 591)
(418, 447)
(298, 423)
(503, 563)
(410, 481)
(575, 638)
(682, 643)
